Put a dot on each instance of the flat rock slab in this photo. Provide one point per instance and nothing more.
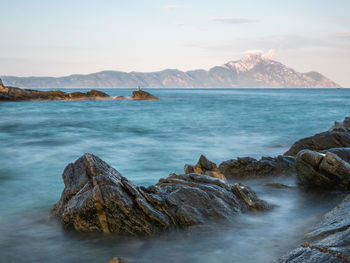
(328, 242)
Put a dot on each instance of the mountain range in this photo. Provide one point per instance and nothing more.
(254, 70)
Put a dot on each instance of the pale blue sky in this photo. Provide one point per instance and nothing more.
(56, 38)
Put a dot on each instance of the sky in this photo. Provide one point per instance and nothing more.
(63, 37)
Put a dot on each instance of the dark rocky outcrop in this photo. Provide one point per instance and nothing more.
(328, 242)
(248, 167)
(204, 166)
(142, 95)
(325, 170)
(97, 197)
(17, 94)
(337, 136)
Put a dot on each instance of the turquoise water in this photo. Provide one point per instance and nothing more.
(147, 140)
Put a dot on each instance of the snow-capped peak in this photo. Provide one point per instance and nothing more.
(250, 60)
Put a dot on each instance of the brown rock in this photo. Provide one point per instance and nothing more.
(17, 94)
(206, 167)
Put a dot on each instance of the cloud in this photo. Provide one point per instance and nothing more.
(171, 7)
(234, 20)
(267, 55)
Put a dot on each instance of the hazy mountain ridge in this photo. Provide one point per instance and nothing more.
(253, 70)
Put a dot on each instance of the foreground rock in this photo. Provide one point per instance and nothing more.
(97, 197)
(337, 136)
(329, 242)
(17, 94)
(248, 167)
(206, 167)
(325, 170)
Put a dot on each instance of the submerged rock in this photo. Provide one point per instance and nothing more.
(329, 241)
(204, 166)
(17, 94)
(337, 136)
(97, 197)
(248, 167)
(323, 170)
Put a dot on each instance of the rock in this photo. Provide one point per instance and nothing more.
(142, 95)
(322, 170)
(1, 84)
(328, 242)
(17, 94)
(343, 153)
(248, 167)
(97, 197)
(337, 136)
(204, 166)
(115, 260)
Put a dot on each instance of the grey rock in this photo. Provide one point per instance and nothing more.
(328, 242)
(248, 167)
(97, 197)
(337, 136)
(322, 170)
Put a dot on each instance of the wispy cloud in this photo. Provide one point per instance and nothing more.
(234, 20)
(171, 7)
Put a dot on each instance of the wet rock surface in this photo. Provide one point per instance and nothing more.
(248, 167)
(206, 167)
(337, 136)
(98, 198)
(329, 241)
(17, 94)
(325, 170)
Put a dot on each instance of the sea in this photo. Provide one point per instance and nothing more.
(146, 141)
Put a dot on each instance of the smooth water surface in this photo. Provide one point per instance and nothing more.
(147, 140)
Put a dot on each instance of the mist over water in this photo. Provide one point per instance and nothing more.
(147, 140)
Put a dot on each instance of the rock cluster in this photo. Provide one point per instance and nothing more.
(97, 197)
(248, 167)
(328, 242)
(337, 136)
(204, 166)
(17, 94)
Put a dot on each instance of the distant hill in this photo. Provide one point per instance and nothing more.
(253, 70)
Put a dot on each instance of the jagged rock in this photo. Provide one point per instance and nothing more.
(337, 136)
(322, 170)
(249, 167)
(204, 166)
(17, 94)
(142, 95)
(97, 197)
(328, 242)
